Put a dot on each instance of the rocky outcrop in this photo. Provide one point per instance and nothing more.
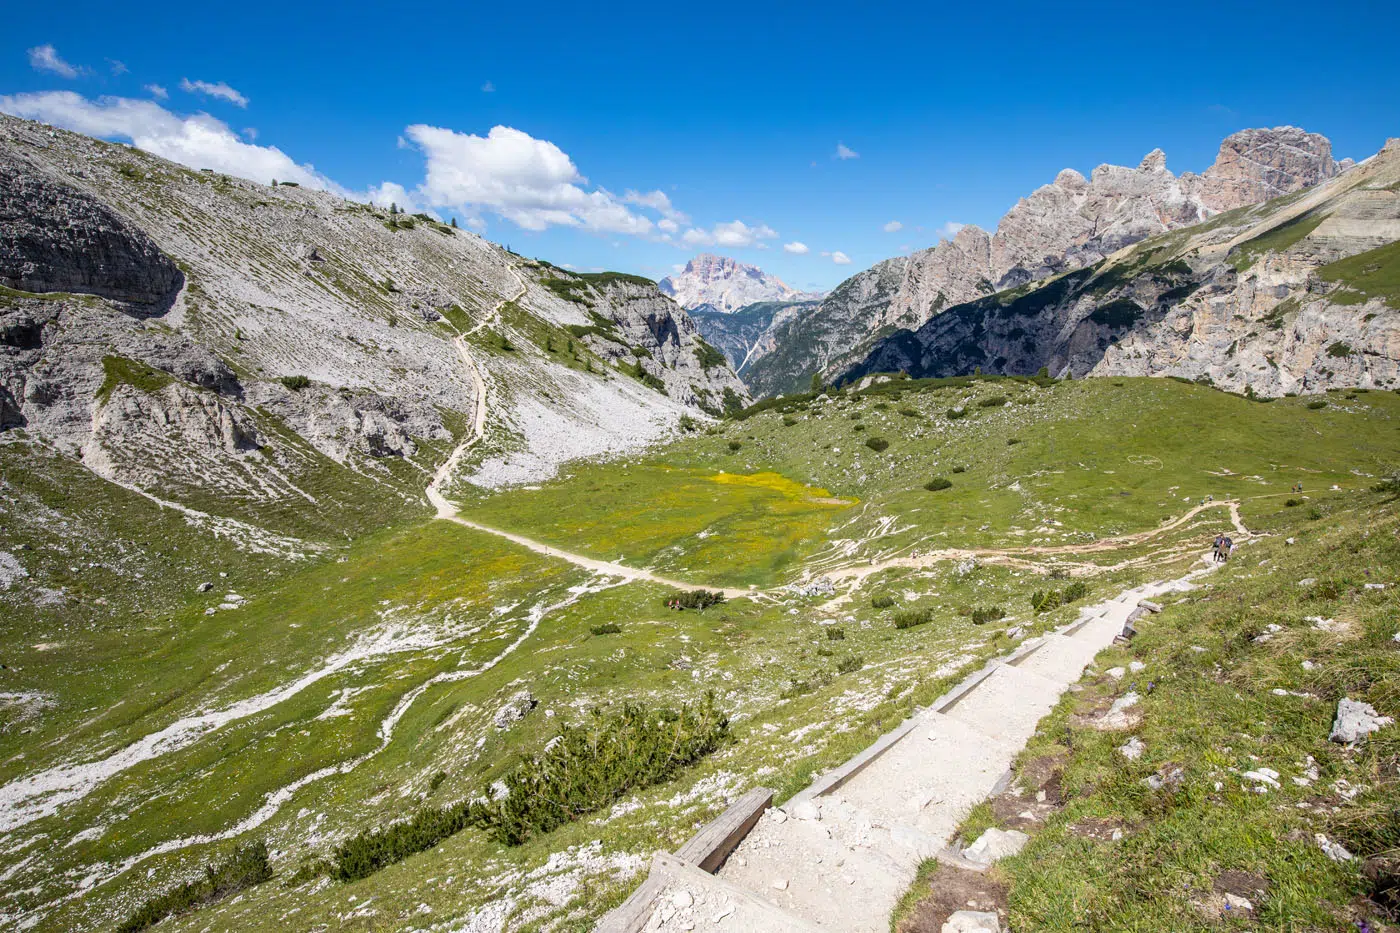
(1069, 224)
(747, 335)
(1256, 165)
(1289, 296)
(718, 283)
(56, 238)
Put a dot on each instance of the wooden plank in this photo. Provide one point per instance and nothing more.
(712, 844)
(632, 914)
(833, 779)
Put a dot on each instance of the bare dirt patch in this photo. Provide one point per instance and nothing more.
(950, 890)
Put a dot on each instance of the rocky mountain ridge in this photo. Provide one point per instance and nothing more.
(1068, 224)
(211, 341)
(1297, 294)
(719, 283)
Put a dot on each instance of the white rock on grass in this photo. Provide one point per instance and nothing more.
(1333, 850)
(1356, 720)
(1116, 672)
(1136, 666)
(1117, 716)
(972, 921)
(995, 844)
(514, 710)
(1133, 749)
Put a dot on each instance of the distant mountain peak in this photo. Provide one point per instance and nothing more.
(725, 284)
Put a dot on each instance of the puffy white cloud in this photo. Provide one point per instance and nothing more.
(893, 226)
(530, 182)
(950, 229)
(391, 192)
(199, 141)
(657, 201)
(840, 258)
(734, 234)
(157, 91)
(667, 225)
(218, 90)
(844, 152)
(45, 58)
(796, 247)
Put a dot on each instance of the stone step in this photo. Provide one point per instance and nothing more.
(931, 778)
(1007, 705)
(679, 896)
(844, 871)
(1060, 658)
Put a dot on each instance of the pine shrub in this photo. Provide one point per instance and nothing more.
(1075, 591)
(983, 615)
(296, 383)
(607, 628)
(1044, 601)
(590, 766)
(835, 633)
(908, 618)
(877, 444)
(850, 664)
(881, 601)
(245, 867)
(992, 401)
(700, 599)
(938, 483)
(959, 469)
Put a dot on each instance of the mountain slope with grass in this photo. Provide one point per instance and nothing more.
(1296, 294)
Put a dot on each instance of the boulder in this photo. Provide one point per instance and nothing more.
(995, 844)
(1356, 720)
(514, 710)
(972, 921)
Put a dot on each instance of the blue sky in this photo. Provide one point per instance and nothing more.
(734, 114)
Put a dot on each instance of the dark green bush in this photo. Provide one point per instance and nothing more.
(590, 766)
(1012, 441)
(835, 633)
(607, 628)
(699, 599)
(1316, 404)
(688, 424)
(882, 601)
(850, 664)
(735, 445)
(959, 469)
(1075, 591)
(1045, 601)
(295, 383)
(938, 483)
(955, 413)
(909, 413)
(908, 618)
(992, 401)
(1291, 503)
(877, 444)
(245, 867)
(983, 615)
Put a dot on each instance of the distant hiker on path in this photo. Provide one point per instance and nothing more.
(1226, 546)
(1218, 547)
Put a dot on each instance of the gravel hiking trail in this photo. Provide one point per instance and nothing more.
(840, 854)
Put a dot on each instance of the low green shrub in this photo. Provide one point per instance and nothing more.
(881, 601)
(959, 469)
(607, 628)
(699, 599)
(850, 664)
(1292, 503)
(955, 413)
(992, 401)
(835, 633)
(1012, 441)
(295, 383)
(1044, 601)
(877, 444)
(688, 424)
(1075, 591)
(908, 618)
(735, 445)
(909, 413)
(1316, 404)
(982, 615)
(938, 483)
(245, 867)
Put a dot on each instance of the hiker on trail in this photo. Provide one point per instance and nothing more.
(1216, 548)
(1226, 547)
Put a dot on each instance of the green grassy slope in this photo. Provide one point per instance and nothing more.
(424, 605)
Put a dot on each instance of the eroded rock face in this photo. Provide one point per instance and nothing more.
(1259, 164)
(1069, 224)
(55, 238)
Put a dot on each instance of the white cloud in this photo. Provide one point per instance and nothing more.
(667, 225)
(118, 68)
(158, 92)
(844, 152)
(796, 248)
(217, 89)
(250, 133)
(949, 230)
(488, 88)
(45, 58)
(840, 258)
(893, 226)
(734, 234)
(659, 202)
(199, 141)
(530, 182)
